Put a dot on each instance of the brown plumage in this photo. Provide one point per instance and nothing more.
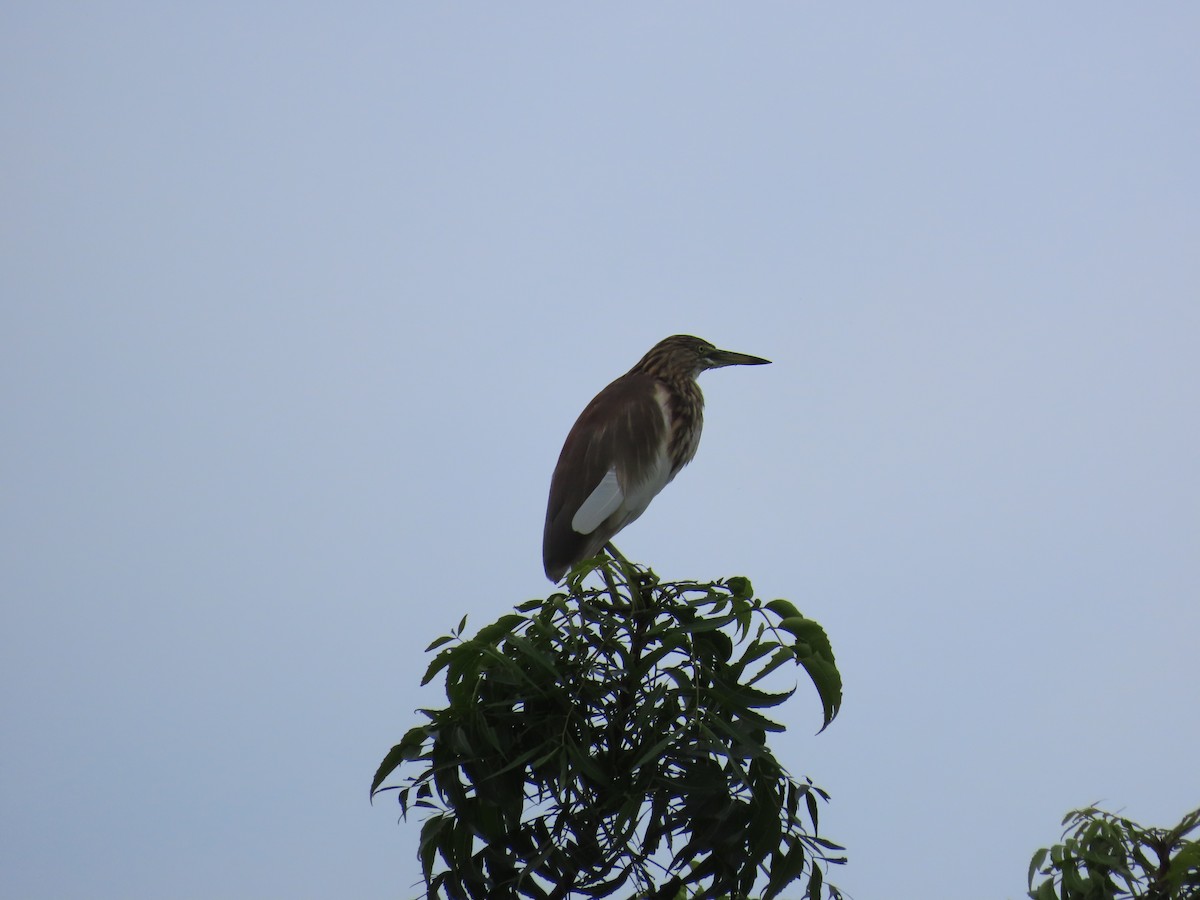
(626, 446)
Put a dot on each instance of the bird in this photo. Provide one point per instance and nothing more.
(626, 446)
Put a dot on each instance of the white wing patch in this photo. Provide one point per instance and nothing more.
(609, 497)
(601, 503)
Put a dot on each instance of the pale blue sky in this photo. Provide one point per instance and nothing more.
(299, 302)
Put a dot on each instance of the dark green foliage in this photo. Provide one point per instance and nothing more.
(614, 739)
(1106, 857)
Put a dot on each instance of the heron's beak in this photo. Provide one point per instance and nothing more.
(718, 358)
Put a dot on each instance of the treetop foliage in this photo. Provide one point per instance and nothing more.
(1107, 857)
(614, 736)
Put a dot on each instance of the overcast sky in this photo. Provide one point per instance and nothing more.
(300, 300)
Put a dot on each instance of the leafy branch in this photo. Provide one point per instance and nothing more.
(615, 736)
(1107, 857)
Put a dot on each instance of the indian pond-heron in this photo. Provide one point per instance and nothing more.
(626, 446)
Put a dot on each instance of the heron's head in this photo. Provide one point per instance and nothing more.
(685, 356)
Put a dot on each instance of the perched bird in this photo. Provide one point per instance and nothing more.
(626, 445)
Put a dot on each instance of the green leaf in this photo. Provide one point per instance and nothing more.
(815, 880)
(1072, 884)
(763, 835)
(491, 634)
(1035, 864)
(745, 617)
(1185, 861)
(705, 624)
(437, 642)
(410, 747)
(740, 587)
(744, 698)
(649, 660)
(781, 656)
(438, 663)
(785, 868)
(784, 609)
(431, 833)
(681, 678)
(816, 655)
(756, 651)
(810, 801)
(717, 642)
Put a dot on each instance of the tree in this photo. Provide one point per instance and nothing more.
(1106, 857)
(614, 737)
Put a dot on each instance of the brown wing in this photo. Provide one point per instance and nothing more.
(622, 426)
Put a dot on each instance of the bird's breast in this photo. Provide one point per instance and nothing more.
(685, 420)
(643, 484)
